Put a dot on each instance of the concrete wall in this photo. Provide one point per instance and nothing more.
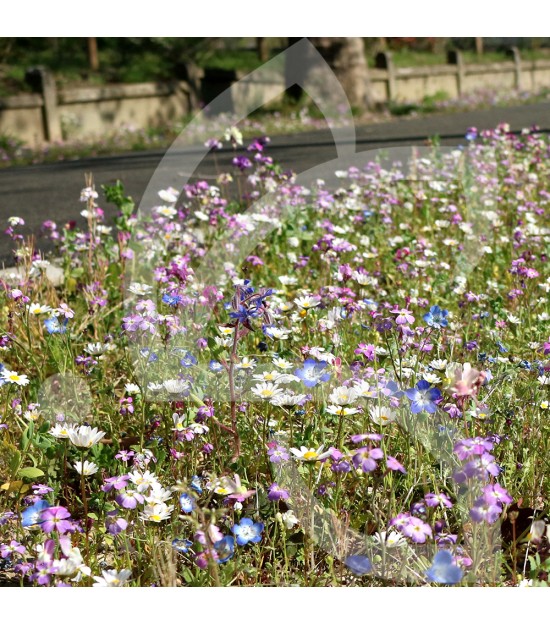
(51, 115)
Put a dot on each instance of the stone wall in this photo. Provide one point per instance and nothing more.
(50, 114)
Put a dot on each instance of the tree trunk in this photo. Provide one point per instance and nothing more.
(262, 49)
(346, 57)
(93, 57)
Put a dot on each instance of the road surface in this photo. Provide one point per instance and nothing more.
(51, 191)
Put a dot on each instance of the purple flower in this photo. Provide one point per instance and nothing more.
(432, 500)
(276, 493)
(278, 454)
(115, 525)
(484, 511)
(118, 482)
(404, 316)
(242, 162)
(417, 530)
(423, 397)
(129, 499)
(312, 373)
(365, 458)
(54, 519)
(6, 551)
(497, 495)
(444, 570)
(472, 447)
(43, 572)
(394, 465)
(41, 489)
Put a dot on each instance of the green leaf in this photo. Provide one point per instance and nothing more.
(30, 472)
(27, 436)
(15, 461)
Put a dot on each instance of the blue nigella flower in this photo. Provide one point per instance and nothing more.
(196, 484)
(215, 366)
(436, 317)
(54, 326)
(172, 300)
(444, 570)
(225, 548)
(247, 531)
(312, 373)
(501, 348)
(188, 360)
(32, 516)
(423, 397)
(187, 503)
(181, 545)
(359, 565)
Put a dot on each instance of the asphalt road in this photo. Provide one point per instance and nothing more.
(51, 191)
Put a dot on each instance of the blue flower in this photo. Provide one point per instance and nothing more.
(172, 300)
(436, 317)
(247, 531)
(181, 545)
(188, 360)
(312, 373)
(32, 516)
(423, 397)
(187, 503)
(54, 326)
(444, 570)
(225, 548)
(215, 366)
(196, 484)
(359, 565)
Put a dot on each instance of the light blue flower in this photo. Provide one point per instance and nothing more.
(444, 570)
(247, 531)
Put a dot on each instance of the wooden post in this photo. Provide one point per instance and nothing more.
(384, 60)
(42, 81)
(93, 56)
(514, 53)
(479, 46)
(454, 57)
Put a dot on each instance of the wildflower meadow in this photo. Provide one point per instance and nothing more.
(260, 382)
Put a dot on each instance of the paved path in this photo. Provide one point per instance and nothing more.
(51, 191)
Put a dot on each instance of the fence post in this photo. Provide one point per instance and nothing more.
(454, 57)
(384, 60)
(514, 52)
(42, 81)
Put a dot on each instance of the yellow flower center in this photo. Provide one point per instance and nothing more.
(310, 455)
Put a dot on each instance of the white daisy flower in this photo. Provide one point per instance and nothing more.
(267, 390)
(84, 436)
(15, 378)
(38, 309)
(112, 578)
(381, 415)
(89, 468)
(309, 454)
